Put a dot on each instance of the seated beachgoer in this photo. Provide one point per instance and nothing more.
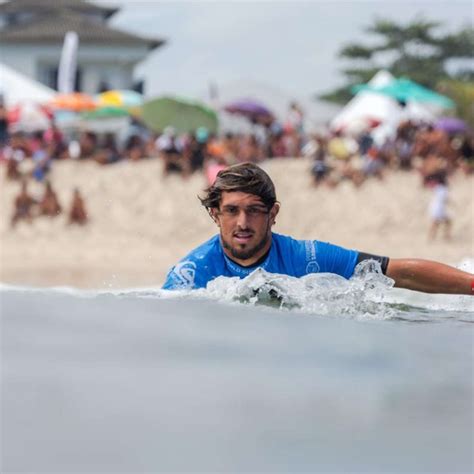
(277, 145)
(108, 152)
(250, 151)
(3, 123)
(15, 153)
(319, 170)
(55, 139)
(135, 148)
(49, 204)
(467, 154)
(231, 142)
(150, 148)
(342, 148)
(172, 156)
(199, 149)
(228, 142)
(23, 205)
(12, 171)
(77, 213)
(42, 161)
(373, 166)
(87, 145)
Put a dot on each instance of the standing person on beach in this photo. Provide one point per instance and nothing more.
(3, 124)
(438, 208)
(242, 202)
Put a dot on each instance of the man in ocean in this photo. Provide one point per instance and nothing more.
(242, 202)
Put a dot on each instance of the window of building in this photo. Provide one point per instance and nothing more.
(48, 75)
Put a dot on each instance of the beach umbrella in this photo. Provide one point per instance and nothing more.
(105, 113)
(451, 125)
(406, 90)
(120, 98)
(182, 114)
(251, 109)
(29, 117)
(66, 119)
(76, 101)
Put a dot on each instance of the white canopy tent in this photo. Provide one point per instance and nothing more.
(369, 105)
(16, 88)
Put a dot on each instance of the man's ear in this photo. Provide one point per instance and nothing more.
(274, 212)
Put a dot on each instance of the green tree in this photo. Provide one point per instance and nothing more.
(462, 92)
(414, 50)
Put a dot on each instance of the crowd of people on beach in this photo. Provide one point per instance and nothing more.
(336, 156)
(416, 146)
(26, 207)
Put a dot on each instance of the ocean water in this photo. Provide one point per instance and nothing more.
(267, 374)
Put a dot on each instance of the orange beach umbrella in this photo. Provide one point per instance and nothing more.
(76, 101)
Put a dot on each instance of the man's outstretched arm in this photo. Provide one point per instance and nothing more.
(429, 276)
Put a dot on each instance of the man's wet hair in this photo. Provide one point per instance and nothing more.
(245, 178)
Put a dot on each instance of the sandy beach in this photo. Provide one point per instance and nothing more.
(141, 223)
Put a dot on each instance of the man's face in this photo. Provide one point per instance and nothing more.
(245, 226)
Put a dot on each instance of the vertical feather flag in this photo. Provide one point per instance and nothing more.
(68, 63)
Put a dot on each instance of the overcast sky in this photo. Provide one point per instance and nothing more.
(292, 45)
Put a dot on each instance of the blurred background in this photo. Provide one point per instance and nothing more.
(115, 115)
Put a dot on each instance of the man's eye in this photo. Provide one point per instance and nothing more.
(255, 211)
(231, 210)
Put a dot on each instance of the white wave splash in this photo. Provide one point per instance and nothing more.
(320, 293)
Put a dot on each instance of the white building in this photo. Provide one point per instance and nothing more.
(32, 34)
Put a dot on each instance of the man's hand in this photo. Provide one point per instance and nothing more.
(429, 276)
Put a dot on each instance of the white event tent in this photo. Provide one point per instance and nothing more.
(371, 105)
(368, 105)
(16, 88)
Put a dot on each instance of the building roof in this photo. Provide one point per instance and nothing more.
(81, 6)
(52, 25)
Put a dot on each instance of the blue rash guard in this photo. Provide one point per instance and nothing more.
(287, 256)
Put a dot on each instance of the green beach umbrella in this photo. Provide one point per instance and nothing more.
(406, 90)
(182, 114)
(105, 112)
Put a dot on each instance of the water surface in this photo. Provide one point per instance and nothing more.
(145, 381)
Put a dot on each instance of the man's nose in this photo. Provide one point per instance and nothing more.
(242, 219)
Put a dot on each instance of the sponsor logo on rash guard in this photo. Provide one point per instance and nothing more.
(312, 265)
(183, 274)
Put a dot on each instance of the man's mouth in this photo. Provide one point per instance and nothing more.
(243, 237)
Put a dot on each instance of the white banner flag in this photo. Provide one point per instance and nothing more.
(68, 63)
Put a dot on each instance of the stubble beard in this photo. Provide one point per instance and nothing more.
(246, 254)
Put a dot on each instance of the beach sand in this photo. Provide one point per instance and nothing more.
(141, 224)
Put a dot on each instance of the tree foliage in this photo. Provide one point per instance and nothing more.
(415, 50)
(462, 92)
